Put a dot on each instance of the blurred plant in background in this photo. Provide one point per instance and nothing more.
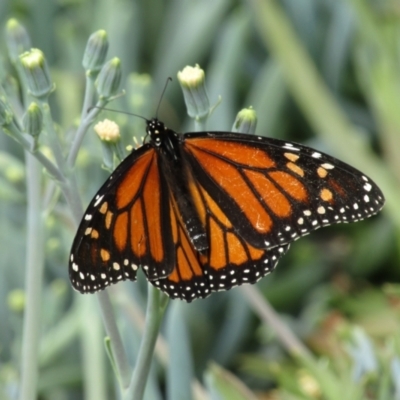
(323, 72)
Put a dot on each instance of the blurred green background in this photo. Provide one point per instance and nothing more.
(325, 73)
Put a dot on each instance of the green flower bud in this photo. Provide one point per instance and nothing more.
(192, 81)
(17, 39)
(8, 121)
(95, 52)
(37, 73)
(109, 78)
(6, 115)
(246, 121)
(33, 120)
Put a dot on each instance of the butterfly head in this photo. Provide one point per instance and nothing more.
(155, 130)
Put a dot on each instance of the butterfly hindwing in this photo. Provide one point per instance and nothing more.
(229, 261)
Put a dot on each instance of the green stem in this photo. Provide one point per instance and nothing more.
(120, 361)
(34, 282)
(89, 95)
(27, 144)
(54, 140)
(81, 131)
(268, 315)
(154, 314)
(73, 200)
(92, 351)
(200, 124)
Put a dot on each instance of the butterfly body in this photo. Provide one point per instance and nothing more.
(203, 212)
(167, 144)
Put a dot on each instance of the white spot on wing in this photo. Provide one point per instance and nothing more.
(367, 187)
(98, 201)
(327, 166)
(116, 266)
(290, 146)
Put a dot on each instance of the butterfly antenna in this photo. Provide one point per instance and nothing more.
(169, 79)
(118, 111)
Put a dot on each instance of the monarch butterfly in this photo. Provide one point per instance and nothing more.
(207, 211)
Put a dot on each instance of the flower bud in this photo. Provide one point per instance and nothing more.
(37, 73)
(33, 120)
(108, 132)
(95, 52)
(109, 78)
(17, 39)
(246, 121)
(192, 81)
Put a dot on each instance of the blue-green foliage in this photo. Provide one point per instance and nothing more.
(331, 287)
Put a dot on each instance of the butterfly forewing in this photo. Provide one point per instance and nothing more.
(125, 226)
(274, 192)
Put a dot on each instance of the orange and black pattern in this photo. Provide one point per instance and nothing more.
(204, 212)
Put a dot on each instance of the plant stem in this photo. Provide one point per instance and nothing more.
(52, 135)
(268, 315)
(89, 95)
(154, 313)
(92, 351)
(80, 133)
(121, 363)
(200, 124)
(34, 282)
(27, 145)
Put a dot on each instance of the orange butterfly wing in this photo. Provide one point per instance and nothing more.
(125, 226)
(274, 192)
